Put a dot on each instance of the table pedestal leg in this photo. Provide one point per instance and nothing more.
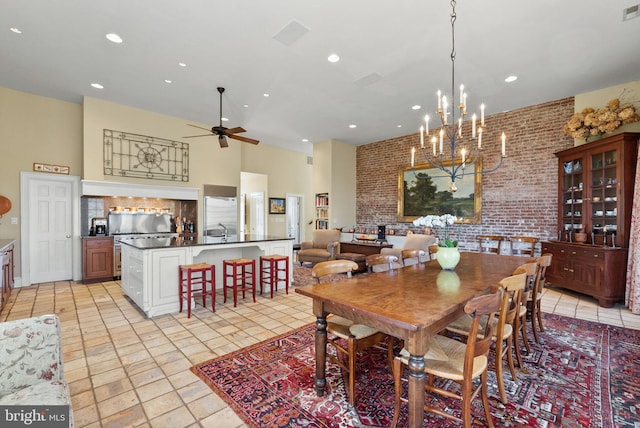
(321, 354)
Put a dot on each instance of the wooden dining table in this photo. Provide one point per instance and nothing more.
(412, 303)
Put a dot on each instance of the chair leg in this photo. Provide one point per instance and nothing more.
(499, 372)
(539, 316)
(352, 370)
(516, 341)
(512, 367)
(485, 400)
(533, 325)
(525, 339)
(397, 375)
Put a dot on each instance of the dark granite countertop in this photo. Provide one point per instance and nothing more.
(157, 243)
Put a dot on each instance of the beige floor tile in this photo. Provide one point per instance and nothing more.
(162, 404)
(118, 403)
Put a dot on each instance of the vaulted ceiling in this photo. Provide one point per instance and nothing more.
(393, 55)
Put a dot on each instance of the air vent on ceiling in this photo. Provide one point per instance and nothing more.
(291, 33)
(367, 80)
(630, 12)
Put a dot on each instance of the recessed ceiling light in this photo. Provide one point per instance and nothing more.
(167, 81)
(353, 126)
(182, 64)
(416, 107)
(225, 119)
(113, 37)
(265, 95)
(15, 30)
(399, 126)
(511, 78)
(333, 58)
(246, 106)
(305, 140)
(97, 86)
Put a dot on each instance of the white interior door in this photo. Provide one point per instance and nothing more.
(294, 204)
(50, 220)
(256, 213)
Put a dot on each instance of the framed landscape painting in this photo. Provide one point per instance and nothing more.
(276, 206)
(425, 190)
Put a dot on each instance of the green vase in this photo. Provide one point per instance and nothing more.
(448, 257)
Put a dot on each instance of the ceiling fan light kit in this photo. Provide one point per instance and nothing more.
(223, 132)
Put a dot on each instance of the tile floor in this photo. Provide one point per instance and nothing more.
(126, 370)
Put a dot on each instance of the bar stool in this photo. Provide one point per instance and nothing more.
(196, 274)
(270, 269)
(242, 276)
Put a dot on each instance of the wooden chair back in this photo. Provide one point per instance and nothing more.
(513, 287)
(412, 254)
(381, 260)
(523, 245)
(481, 308)
(323, 269)
(489, 243)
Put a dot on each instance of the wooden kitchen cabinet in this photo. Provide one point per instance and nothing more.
(97, 259)
(595, 195)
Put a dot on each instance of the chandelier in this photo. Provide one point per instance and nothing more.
(446, 148)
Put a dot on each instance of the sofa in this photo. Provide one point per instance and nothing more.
(324, 245)
(31, 370)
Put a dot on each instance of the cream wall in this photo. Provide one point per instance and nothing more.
(34, 129)
(288, 173)
(627, 93)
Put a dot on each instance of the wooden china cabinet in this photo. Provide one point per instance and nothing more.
(595, 196)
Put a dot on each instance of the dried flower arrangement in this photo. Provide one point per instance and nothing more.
(590, 122)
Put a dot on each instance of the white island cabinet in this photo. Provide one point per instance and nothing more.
(150, 266)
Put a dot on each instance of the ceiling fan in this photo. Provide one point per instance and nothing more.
(223, 132)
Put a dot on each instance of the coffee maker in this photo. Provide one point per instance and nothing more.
(98, 226)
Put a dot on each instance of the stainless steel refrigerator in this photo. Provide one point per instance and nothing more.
(221, 217)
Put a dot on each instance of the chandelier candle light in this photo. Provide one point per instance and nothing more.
(448, 140)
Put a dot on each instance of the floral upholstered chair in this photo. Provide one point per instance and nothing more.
(31, 370)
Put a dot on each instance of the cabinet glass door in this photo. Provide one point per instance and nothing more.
(604, 195)
(573, 200)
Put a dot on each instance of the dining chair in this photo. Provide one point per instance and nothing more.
(503, 338)
(544, 261)
(522, 245)
(489, 243)
(414, 253)
(520, 326)
(453, 360)
(344, 335)
(380, 262)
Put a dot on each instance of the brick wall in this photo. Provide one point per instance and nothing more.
(520, 198)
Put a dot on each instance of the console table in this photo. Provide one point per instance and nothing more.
(365, 248)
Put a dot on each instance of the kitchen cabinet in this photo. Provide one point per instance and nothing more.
(97, 259)
(595, 195)
(6, 257)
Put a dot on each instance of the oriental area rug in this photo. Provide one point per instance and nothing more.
(583, 374)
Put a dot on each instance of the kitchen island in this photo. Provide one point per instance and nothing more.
(150, 266)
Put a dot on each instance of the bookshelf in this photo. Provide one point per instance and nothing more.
(322, 210)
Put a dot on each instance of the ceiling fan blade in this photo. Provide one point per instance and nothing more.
(245, 139)
(203, 135)
(200, 127)
(236, 130)
(223, 141)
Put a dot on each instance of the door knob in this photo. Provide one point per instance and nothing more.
(68, 236)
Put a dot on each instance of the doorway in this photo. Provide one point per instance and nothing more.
(294, 217)
(50, 248)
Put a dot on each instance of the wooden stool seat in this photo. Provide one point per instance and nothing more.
(270, 269)
(196, 275)
(242, 273)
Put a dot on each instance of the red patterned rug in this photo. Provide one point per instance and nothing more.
(584, 374)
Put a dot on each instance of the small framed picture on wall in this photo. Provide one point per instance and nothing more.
(276, 206)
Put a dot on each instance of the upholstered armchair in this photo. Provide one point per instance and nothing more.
(412, 242)
(325, 245)
(31, 363)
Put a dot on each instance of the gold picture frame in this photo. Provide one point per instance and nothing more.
(424, 190)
